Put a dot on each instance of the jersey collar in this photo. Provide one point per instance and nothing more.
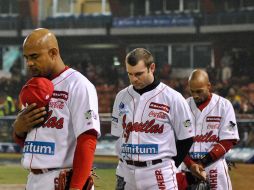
(205, 103)
(150, 87)
(54, 76)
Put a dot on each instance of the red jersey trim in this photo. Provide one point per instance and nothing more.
(55, 76)
(204, 104)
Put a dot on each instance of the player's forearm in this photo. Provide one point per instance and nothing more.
(18, 139)
(183, 147)
(188, 161)
(83, 160)
(218, 151)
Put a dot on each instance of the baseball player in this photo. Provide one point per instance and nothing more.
(67, 139)
(153, 123)
(215, 132)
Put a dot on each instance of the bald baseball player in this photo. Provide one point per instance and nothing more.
(154, 126)
(67, 139)
(215, 132)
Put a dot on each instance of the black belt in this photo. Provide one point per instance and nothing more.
(142, 164)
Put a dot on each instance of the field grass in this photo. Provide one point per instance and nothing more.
(12, 174)
(17, 175)
(242, 176)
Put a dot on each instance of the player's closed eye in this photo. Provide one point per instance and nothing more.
(31, 57)
(34, 56)
(137, 74)
(196, 91)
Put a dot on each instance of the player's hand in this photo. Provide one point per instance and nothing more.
(27, 118)
(74, 189)
(198, 171)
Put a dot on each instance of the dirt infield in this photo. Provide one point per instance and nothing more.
(242, 176)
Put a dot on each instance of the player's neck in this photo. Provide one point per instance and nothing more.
(56, 75)
(149, 87)
(205, 103)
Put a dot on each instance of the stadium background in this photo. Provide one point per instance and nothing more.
(94, 36)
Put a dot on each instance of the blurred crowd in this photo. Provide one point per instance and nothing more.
(232, 79)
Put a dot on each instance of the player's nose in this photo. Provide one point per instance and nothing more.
(133, 79)
(29, 62)
(195, 96)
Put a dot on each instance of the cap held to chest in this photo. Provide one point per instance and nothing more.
(37, 90)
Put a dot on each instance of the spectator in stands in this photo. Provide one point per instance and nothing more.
(7, 104)
(15, 70)
(165, 72)
(211, 71)
(234, 98)
(246, 107)
(226, 65)
(91, 72)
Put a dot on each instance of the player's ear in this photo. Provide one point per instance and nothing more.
(53, 52)
(209, 86)
(152, 67)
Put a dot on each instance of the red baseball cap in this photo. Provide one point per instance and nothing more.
(37, 90)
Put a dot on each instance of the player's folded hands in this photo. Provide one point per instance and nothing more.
(28, 118)
(198, 171)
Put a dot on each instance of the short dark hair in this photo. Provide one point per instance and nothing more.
(134, 56)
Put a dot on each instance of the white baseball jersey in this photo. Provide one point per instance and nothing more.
(73, 109)
(148, 123)
(216, 122)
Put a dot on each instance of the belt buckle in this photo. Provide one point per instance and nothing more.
(45, 170)
(149, 163)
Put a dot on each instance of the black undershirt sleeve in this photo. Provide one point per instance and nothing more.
(182, 147)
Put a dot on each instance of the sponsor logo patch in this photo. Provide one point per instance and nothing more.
(231, 125)
(114, 119)
(145, 149)
(213, 126)
(90, 114)
(60, 95)
(39, 147)
(157, 106)
(213, 119)
(197, 155)
(56, 105)
(158, 115)
(187, 123)
(122, 109)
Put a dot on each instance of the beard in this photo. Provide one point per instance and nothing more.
(202, 100)
(33, 72)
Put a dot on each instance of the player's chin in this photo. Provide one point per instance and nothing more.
(138, 86)
(197, 101)
(33, 73)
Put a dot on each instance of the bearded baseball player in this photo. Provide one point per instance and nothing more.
(215, 132)
(66, 139)
(153, 123)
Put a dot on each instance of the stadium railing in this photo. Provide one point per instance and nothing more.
(243, 151)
